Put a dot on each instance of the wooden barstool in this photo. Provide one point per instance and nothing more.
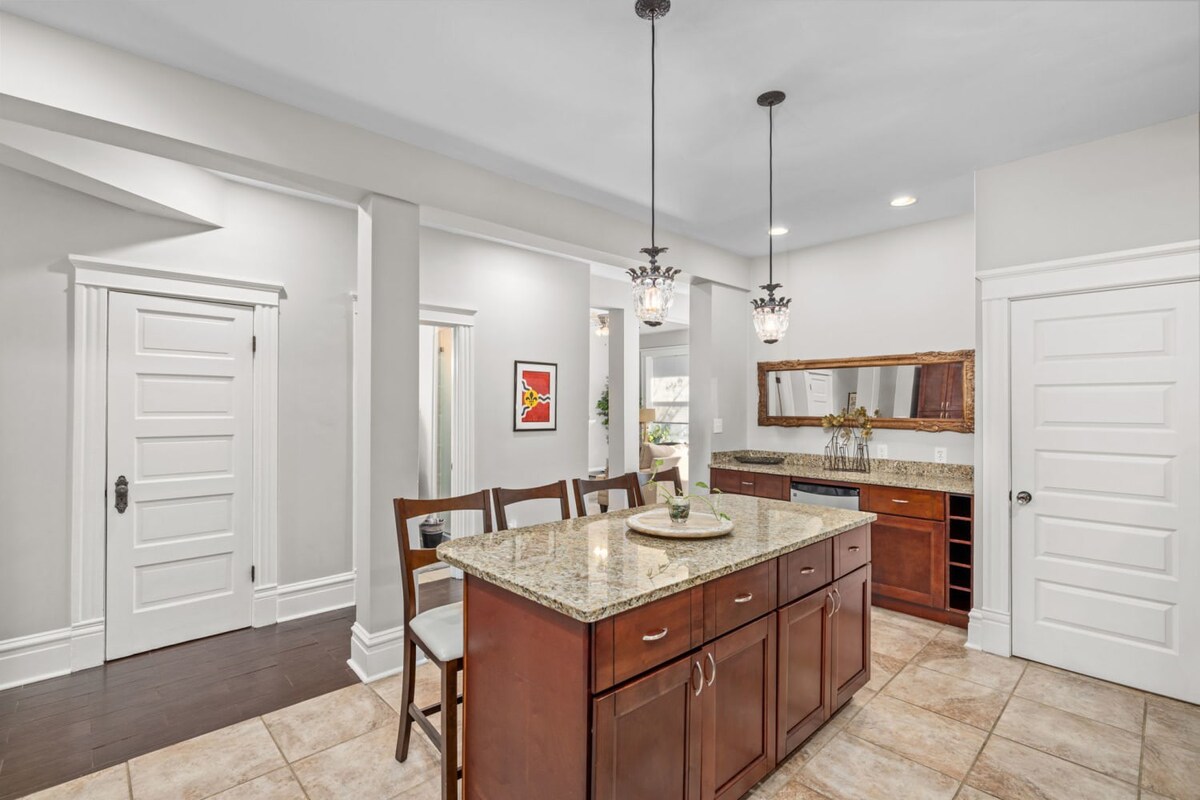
(439, 634)
(623, 483)
(663, 478)
(507, 497)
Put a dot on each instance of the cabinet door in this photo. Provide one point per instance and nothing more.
(931, 393)
(954, 391)
(774, 487)
(851, 645)
(909, 559)
(739, 710)
(804, 659)
(647, 736)
(732, 481)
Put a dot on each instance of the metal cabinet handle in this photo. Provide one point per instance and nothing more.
(901, 502)
(854, 548)
(654, 637)
(121, 493)
(837, 596)
(833, 603)
(807, 570)
(700, 683)
(744, 598)
(712, 662)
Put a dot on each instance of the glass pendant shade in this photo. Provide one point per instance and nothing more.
(653, 289)
(771, 315)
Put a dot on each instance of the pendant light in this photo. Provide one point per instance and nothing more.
(653, 286)
(771, 312)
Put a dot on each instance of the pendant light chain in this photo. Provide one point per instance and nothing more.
(770, 193)
(653, 164)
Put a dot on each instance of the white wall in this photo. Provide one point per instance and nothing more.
(902, 291)
(717, 357)
(1134, 190)
(309, 247)
(531, 307)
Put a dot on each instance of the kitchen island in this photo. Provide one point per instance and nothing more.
(607, 664)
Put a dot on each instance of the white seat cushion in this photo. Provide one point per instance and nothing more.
(441, 630)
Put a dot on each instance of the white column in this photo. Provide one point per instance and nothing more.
(385, 424)
(623, 384)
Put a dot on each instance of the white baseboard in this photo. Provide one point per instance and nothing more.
(316, 596)
(376, 655)
(990, 631)
(49, 654)
(36, 657)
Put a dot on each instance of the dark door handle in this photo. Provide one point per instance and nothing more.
(121, 492)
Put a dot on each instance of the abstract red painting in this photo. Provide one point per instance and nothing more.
(536, 399)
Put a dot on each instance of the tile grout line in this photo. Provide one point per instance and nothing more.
(129, 780)
(1142, 749)
(991, 731)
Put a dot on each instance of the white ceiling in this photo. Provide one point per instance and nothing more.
(884, 97)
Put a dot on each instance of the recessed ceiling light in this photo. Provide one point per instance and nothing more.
(778, 230)
(903, 200)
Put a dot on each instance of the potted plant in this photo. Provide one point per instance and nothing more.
(679, 506)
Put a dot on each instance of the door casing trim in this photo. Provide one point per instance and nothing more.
(990, 623)
(91, 281)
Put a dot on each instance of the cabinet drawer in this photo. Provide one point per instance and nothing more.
(851, 550)
(805, 570)
(775, 487)
(733, 600)
(906, 502)
(650, 635)
(732, 481)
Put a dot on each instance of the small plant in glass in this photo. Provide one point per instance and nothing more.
(679, 506)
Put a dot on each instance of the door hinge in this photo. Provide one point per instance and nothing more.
(252, 573)
(253, 344)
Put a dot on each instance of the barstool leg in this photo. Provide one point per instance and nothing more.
(450, 731)
(408, 689)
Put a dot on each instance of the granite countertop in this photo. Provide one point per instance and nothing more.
(953, 478)
(590, 568)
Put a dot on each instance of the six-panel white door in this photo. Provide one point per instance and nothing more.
(180, 415)
(1106, 441)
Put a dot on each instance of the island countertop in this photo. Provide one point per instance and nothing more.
(591, 568)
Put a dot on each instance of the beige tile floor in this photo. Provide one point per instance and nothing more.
(936, 721)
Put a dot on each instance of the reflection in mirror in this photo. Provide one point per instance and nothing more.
(909, 391)
(919, 391)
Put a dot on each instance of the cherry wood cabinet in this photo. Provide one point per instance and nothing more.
(851, 635)
(739, 710)
(648, 736)
(805, 659)
(910, 560)
(940, 391)
(758, 484)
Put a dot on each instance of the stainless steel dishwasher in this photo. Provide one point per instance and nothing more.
(818, 494)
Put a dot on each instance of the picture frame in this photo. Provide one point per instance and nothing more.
(535, 396)
(851, 401)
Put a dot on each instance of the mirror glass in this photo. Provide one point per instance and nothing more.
(931, 392)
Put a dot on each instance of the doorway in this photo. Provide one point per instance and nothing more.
(436, 410)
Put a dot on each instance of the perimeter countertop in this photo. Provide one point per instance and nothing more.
(952, 478)
(590, 568)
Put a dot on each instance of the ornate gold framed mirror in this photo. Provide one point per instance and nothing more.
(932, 391)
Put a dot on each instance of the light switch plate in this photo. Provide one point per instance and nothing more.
(881, 451)
(718, 425)
(939, 455)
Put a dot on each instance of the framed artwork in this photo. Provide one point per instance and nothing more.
(851, 401)
(535, 396)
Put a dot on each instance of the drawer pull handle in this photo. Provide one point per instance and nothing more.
(832, 603)
(712, 662)
(901, 502)
(854, 548)
(747, 483)
(807, 570)
(700, 683)
(654, 637)
(744, 598)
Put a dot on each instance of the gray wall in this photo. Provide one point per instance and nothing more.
(1134, 190)
(531, 307)
(901, 291)
(309, 247)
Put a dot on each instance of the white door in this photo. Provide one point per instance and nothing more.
(817, 387)
(1106, 440)
(180, 432)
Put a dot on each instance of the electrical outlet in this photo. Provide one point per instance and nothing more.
(718, 425)
(939, 455)
(881, 451)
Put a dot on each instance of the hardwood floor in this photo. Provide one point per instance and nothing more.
(58, 729)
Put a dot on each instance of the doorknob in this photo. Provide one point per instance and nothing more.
(1024, 497)
(121, 492)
